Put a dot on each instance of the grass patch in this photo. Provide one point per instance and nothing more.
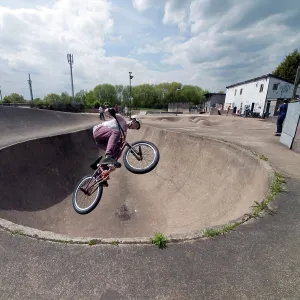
(276, 188)
(160, 240)
(17, 232)
(92, 242)
(263, 157)
(210, 232)
(115, 243)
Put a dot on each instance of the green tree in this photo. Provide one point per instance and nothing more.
(105, 94)
(287, 69)
(119, 93)
(65, 98)
(80, 97)
(90, 99)
(125, 96)
(38, 101)
(52, 99)
(14, 98)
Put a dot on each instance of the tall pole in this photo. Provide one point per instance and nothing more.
(296, 83)
(130, 97)
(71, 61)
(178, 89)
(1, 94)
(30, 89)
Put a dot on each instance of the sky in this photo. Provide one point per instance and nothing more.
(209, 43)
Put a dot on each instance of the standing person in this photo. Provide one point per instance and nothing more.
(282, 110)
(116, 108)
(101, 112)
(228, 109)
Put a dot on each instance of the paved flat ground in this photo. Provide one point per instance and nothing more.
(260, 260)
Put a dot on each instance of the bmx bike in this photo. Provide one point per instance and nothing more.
(92, 185)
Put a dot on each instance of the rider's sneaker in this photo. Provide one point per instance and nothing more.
(110, 160)
(104, 183)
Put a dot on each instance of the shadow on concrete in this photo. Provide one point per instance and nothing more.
(38, 174)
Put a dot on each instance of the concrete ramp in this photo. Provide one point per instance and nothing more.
(19, 124)
(197, 183)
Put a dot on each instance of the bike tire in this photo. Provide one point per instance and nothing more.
(148, 169)
(95, 202)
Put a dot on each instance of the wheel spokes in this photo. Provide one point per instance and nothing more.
(146, 153)
(86, 195)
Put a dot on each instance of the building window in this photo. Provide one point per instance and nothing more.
(235, 92)
(275, 86)
(261, 88)
(241, 91)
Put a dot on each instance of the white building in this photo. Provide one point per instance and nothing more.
(262, 94)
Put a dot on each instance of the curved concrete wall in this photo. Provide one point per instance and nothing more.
(20, 124)
(190, 189)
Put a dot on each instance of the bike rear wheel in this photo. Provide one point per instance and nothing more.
(87, 187)
(147, 158)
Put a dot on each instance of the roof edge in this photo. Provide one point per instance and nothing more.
(258, 78)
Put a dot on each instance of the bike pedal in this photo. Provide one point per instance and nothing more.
(112, 167)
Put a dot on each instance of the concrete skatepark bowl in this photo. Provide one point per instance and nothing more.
(198, 183)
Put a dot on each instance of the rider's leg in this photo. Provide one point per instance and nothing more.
(111, 137)
(112, 145)
(279, 124)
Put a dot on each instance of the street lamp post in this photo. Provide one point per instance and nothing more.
(30, 89)
(130, 97)
(71, 61)
(178, 89)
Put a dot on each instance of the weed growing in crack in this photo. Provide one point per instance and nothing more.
(160, 240)
(263, 157)
(210, 232)
(92, 242)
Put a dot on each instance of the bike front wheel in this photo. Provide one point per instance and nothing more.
(142, 158)
(87, 195)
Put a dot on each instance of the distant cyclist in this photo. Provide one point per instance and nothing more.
(107, 135)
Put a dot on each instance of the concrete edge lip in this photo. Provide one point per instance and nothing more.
(17, 229)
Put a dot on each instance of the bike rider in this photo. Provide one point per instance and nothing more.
(107, 135)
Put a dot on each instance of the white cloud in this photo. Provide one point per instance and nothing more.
(203, 42)
(176, 12)
(148, 49)
(39, 38)
(141, 5)
(166, 45)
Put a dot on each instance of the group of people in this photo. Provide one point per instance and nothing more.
(116, 108)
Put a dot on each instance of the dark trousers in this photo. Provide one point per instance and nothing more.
(280, 121)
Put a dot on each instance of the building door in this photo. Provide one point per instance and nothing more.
(268, 107)
(252, 107)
